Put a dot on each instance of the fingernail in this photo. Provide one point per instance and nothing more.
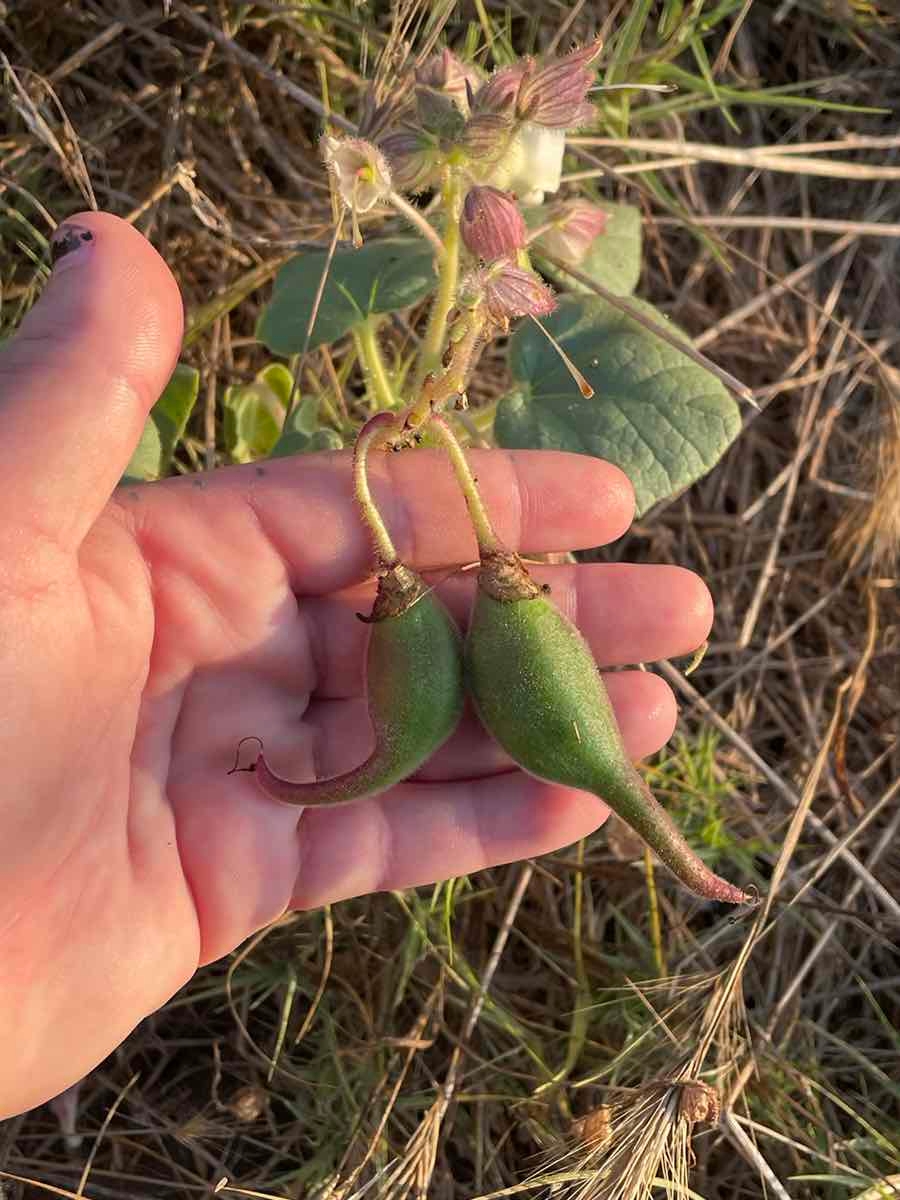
(70, 242)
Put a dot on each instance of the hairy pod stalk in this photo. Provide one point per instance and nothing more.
(439, 388)
(539, 692)
(413, 669)
(430, 355)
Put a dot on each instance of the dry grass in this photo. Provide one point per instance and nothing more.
(451, 1037)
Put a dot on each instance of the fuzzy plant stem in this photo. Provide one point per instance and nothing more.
(439, 389)
(416, 219)
(373, 364)
(488, 542)
(374, 433)
(433, 346)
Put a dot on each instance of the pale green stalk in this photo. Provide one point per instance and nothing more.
(372, 434)
(415, 218)
(376, 373)
(484, 530)
(435, 335)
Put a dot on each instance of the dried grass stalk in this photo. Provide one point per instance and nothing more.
(872, 526)
(637, 1145)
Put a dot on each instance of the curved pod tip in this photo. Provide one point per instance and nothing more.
(415, 693)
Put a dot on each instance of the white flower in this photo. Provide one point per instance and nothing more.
(533, 163)
(359, 175)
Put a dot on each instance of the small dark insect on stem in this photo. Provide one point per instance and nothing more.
(237, 754)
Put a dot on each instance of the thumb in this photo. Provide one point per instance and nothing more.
(80, 376)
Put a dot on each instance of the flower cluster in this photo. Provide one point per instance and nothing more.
(552, 93)
(507, 131)
(493, 231)
(502, 139)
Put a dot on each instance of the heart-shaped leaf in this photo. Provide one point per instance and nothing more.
(301, 443)
(254, 413)
(614, 257)
(303, 434)
(382, 276)
(655, 413)
(165, 425)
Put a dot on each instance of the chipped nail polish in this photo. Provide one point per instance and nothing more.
(67, 240)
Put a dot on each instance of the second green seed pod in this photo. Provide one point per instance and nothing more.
(539, 692)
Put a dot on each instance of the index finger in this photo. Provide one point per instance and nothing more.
(539, 500)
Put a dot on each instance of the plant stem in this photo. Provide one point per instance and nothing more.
(484, 530)
(372, 434)
(332, 413)
(433, 345)
(415, 218)
(376, 373)
(659, 958)
(450, 383)
(322, 396)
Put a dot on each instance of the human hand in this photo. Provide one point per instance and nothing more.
(146, 629)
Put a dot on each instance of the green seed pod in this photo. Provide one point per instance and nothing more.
(539, 692)
(415, 691)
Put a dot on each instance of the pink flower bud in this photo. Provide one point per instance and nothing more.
(486, 137)
(450, 74)
(555, 94)
(576, 224)
(491, 225)
(412, 157)
(507, 292)
(498, 95)
(515, 292)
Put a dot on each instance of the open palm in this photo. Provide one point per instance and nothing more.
(144, 631)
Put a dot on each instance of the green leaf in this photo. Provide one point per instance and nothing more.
(299, 443)
(255, 419)
(165, 426)
(659, 416)
(303, 434)
(383, 275)
(254, 413)
(614, 259)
